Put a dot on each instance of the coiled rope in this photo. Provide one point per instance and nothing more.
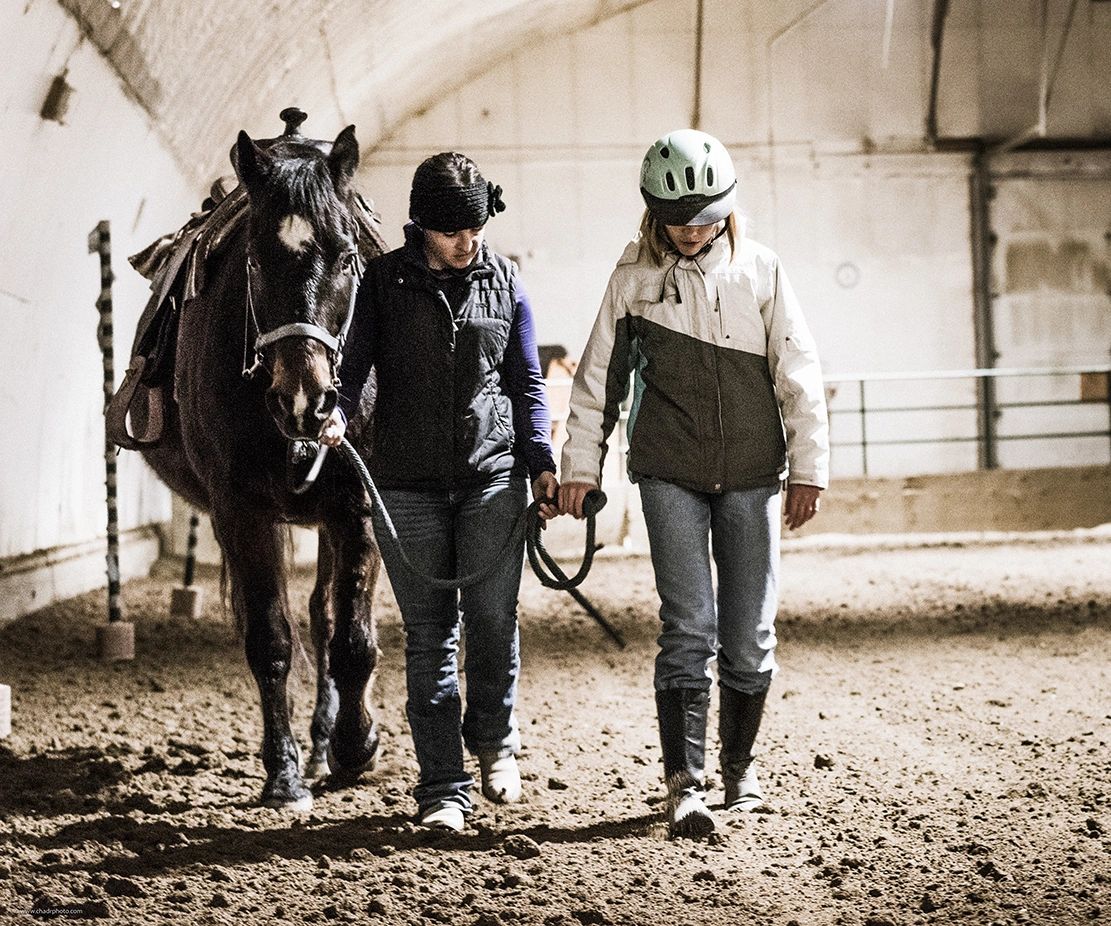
(529, 522)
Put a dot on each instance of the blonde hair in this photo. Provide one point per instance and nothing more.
(655, 239)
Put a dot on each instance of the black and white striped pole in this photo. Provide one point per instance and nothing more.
(187, 601)
(116, 639)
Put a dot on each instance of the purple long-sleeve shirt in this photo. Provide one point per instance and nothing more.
(524, 383)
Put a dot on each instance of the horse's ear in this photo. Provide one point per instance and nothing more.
(251, 162)
(344, 159)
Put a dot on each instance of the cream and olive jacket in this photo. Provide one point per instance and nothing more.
(727, 389)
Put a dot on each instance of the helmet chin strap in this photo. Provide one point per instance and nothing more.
(709, 244)
(705, 249)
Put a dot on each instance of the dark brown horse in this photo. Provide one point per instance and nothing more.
(280, 289)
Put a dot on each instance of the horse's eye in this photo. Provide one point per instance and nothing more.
(349, 261)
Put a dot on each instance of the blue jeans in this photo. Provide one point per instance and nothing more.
(445, 534)
(738, 626)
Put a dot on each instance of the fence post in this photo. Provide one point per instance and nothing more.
(116, 639)
(863, 433)
(983, 249)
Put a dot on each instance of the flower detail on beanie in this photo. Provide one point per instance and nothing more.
(495, 203)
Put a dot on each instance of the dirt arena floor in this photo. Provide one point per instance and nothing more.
(936, 751)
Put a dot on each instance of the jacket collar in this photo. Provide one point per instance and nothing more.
(413, 254)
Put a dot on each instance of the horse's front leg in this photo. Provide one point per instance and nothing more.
(254, 550)
(323, 626)
(353, 653)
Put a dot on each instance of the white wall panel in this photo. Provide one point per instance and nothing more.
(544, 74)
(488, 108)
(105, 162)
(602, 62)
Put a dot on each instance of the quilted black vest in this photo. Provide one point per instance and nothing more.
(442, 417)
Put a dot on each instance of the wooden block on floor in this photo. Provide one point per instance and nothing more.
(115, 641)
(187, 602)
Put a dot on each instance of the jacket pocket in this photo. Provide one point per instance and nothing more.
(741, 322)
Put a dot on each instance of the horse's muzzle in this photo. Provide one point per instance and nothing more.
(301, 416)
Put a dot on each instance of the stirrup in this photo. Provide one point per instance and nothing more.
(115, 415)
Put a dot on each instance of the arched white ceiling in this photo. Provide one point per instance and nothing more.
(203, 69)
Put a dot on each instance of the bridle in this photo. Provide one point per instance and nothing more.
(334, 343)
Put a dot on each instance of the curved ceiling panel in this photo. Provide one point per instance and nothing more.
(204, 69)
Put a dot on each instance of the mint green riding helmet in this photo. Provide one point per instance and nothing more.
(688, 178)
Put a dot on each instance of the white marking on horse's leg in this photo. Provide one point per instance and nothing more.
(295, 232)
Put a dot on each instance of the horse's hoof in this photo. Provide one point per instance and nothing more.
(349, 772)
(296, 800)
(317, 767)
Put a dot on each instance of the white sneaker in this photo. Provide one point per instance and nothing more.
(444, 817)
(501, 779)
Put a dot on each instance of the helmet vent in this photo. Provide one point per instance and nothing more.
(690, 177)
(709, 176)
(670, 178)
(664, 152)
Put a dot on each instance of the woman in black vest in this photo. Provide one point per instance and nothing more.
(461, 426)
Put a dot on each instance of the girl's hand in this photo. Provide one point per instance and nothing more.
(571, 495)
(334, 429)
(803, 503)
(546, 486)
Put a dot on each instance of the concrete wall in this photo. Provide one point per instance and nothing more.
(105, 161)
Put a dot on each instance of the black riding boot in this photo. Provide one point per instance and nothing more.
(738, 724)
(682, 716)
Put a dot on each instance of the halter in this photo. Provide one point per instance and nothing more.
(333, 342)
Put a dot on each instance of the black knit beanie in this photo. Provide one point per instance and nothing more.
(451, 207)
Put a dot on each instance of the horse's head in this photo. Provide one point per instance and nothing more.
(302, 271)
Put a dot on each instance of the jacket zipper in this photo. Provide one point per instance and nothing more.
(716, 308)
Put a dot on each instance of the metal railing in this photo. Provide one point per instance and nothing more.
(987, 408)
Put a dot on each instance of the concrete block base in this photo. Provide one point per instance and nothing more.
(5, 711)
(187, 602)
(115, 642)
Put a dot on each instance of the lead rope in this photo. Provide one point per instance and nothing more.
(529, 522)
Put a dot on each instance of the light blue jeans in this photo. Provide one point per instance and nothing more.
(738, 623)
(445, 534)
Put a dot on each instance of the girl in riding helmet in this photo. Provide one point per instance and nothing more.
(460, 420)
(728, 403)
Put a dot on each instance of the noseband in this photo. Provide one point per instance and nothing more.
(333, 342)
